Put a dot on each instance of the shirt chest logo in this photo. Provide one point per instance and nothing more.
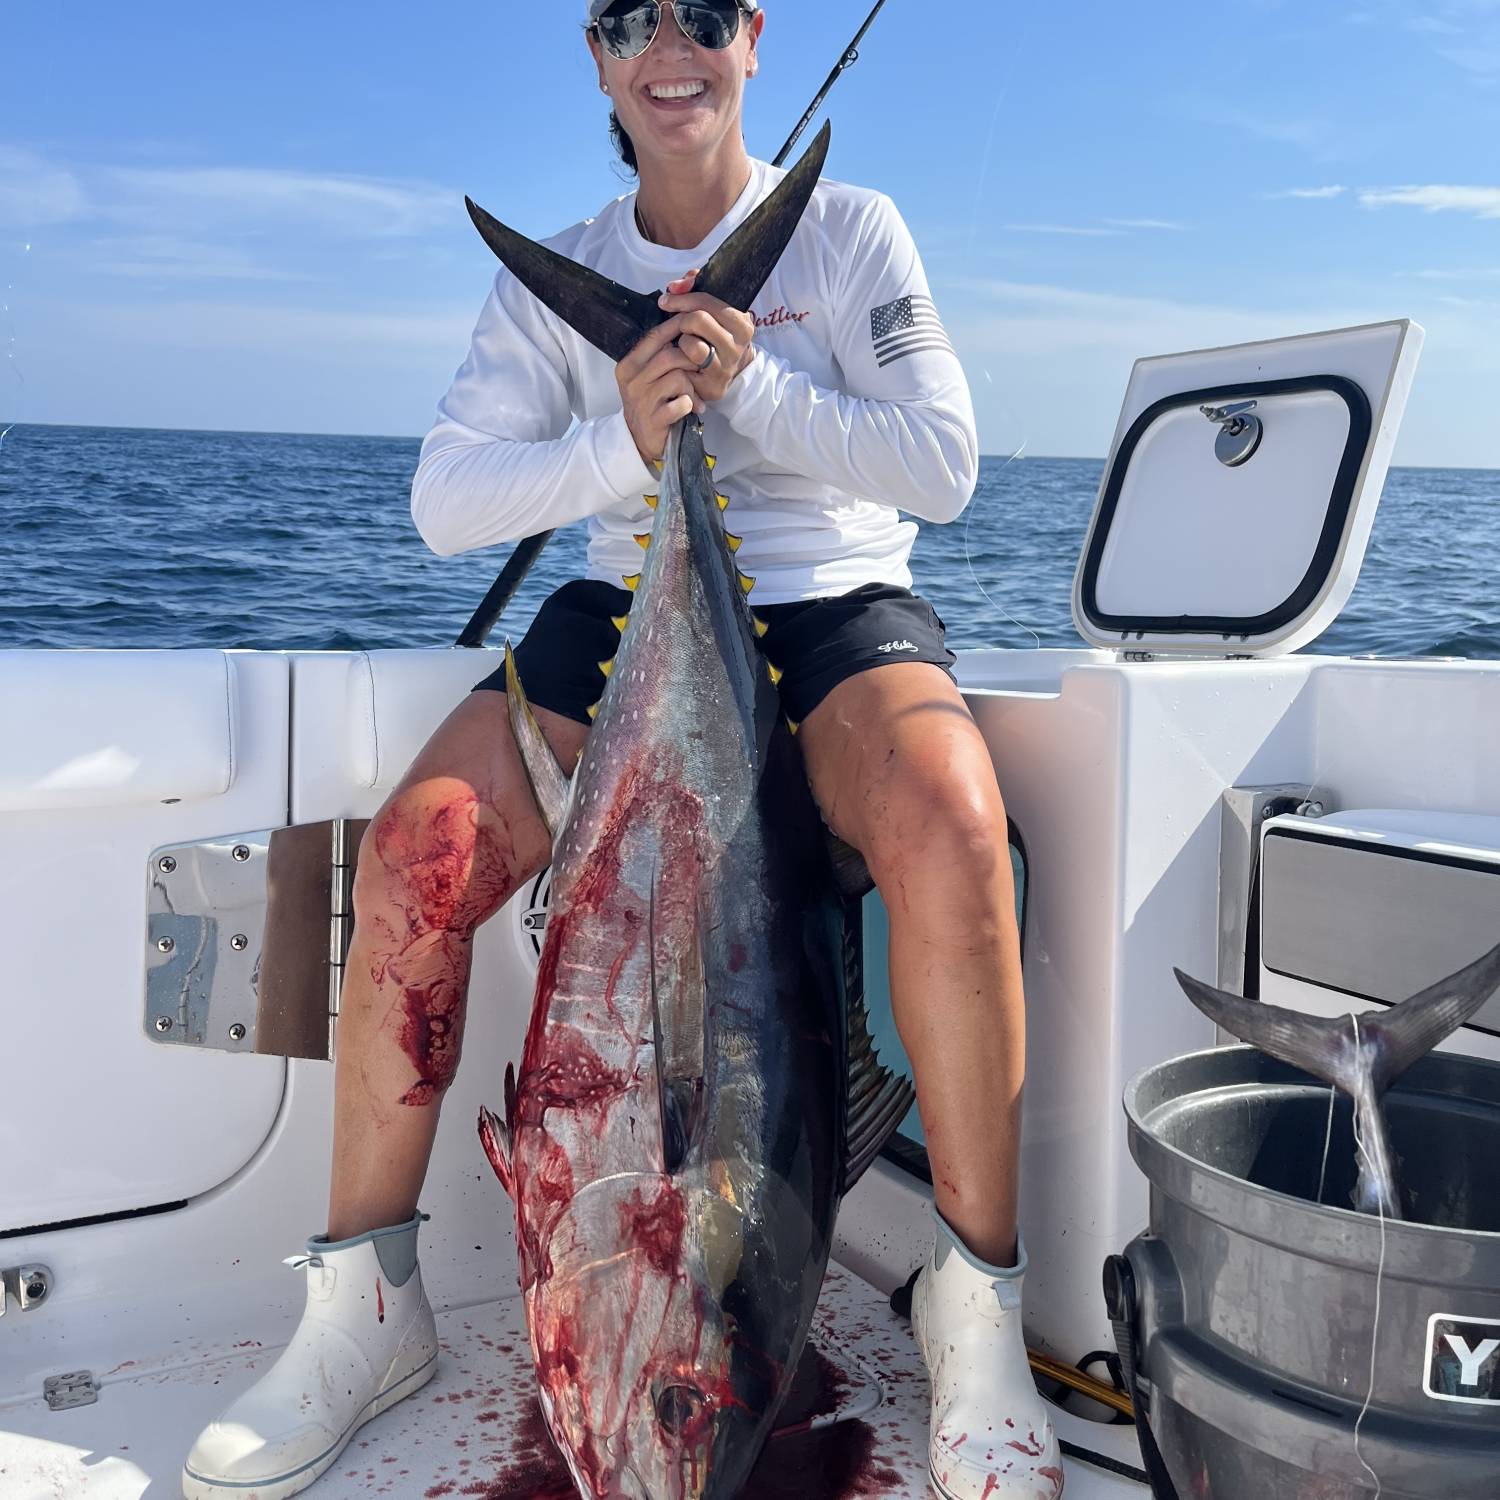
(779, 318)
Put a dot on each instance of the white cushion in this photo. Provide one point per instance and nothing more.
(113, 728)
(398, 698)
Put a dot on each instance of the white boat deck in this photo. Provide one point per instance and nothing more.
(475, 1432)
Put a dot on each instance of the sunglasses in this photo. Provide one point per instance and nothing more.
(627, 30)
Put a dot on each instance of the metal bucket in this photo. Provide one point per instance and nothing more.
(1255, 1305)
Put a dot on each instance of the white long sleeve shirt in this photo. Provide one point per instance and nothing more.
(854, 407)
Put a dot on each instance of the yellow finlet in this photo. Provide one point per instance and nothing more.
(760, 626)
(594, 713)
(619, 622)
(723, 501)
(746, 582)
(735, 542)
(652, 501)
(776, 674)
(711, 461)
(793, 727)
(643, 539)
(632, 581)
(607, 666)
(658, 465)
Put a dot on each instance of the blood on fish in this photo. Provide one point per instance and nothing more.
(379, 1301)
(656, 1228)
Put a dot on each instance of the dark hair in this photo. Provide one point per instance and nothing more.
(623, 144)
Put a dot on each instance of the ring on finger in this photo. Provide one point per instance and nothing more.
(708, 359)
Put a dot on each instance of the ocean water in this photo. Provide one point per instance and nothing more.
(128, 537)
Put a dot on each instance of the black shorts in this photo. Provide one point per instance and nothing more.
(816, 643)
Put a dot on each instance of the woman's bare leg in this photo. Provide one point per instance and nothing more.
(901, 771)
(451, 845)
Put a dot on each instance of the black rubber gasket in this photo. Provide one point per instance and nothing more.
(1301, 599)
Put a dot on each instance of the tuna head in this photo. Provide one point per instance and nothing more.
(652, 1388)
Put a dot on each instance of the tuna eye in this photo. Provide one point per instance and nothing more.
(677, 1407)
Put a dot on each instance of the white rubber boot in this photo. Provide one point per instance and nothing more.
(991, 1436)
(366, 1341)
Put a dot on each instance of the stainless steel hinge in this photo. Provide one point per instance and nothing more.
(247, 937)
(77, 1388)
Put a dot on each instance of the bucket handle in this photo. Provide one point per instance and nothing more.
(1120, 1299)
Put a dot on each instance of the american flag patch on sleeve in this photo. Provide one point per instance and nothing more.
(909, 325)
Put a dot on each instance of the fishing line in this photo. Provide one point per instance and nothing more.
(969, 561)
(10, 351)
(1359, 1141)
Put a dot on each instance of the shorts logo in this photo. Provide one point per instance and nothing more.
(1463, 1360)
(892, 646)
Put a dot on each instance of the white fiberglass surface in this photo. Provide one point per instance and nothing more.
(475, 1433)
(97, 1117)
(1191, 536)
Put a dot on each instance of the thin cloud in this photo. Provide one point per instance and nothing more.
(359, 206)
(163, 258)
(1082, 230)
(1146, 224)
(34, 192)
(1315, 192)
(1482, 202)
(1474, 273)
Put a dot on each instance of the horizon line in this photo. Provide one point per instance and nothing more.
(390, 437)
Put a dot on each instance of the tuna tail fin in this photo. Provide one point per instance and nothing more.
(1407, 1032)
(739, 268)
(615, 319)
(550, 787)
(1325, 1048)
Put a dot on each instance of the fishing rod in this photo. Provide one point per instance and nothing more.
(520, 562)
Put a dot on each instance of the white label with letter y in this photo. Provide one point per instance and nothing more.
(1463, 1360)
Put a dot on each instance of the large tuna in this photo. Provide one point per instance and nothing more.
(697, 1088)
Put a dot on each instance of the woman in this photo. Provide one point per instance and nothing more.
(833, 404)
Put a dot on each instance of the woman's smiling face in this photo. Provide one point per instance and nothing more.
(679, 99)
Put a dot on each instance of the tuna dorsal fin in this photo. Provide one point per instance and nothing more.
(850, 872)
(1407, 1032)
(878, 1098)
(613, 318)
(549, 785)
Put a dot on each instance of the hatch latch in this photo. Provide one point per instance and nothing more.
(1239, 432)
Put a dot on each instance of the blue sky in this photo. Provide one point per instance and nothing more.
(251, 216)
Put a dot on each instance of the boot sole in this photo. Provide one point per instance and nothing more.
(294, 1481)
(943, 1490)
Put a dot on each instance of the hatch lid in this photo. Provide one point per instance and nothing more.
(1241, 487)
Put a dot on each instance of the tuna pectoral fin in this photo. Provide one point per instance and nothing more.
(1409, 1031)
(548, 784)
(1325, 1048)
(679, 1032)
(878, 1098)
